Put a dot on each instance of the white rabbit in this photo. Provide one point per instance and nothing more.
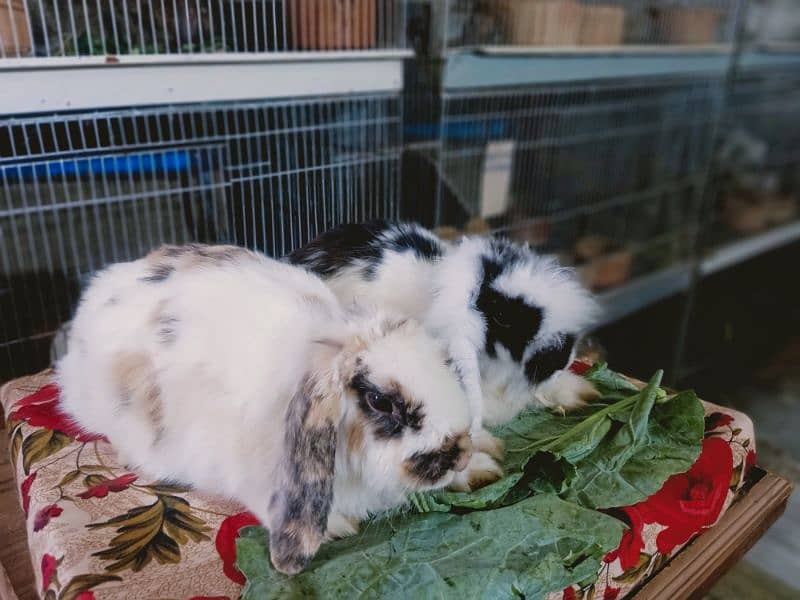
(221, 368)
(509, 317)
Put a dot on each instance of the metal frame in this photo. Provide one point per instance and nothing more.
(45, 85)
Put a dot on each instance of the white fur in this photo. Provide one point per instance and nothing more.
(441, 294)
(244, 339)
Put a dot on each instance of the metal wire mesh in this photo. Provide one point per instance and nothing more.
(82, 190)
(759, 163)
(48, 28)
(559, 23)
(611, 174)
(594, 172)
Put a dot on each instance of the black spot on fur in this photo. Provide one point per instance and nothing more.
(432, 466)
(386, 425)
(405, 238)
(510, 321)
(544, 363)
(341, 247)
(159, 273)
(365, 244)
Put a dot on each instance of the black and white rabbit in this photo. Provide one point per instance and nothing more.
(510, 317)
(224, 369)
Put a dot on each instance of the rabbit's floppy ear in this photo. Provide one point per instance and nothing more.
(299, 509)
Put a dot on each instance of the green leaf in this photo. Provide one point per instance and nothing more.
(151, 532)
(68, 478)
(609, 382)
(526, 550)
(94, 479)
(657, 441)
(634, 574)
(93, 468)
(41, 444)
(599, 457)
(166, 487)
(486, 497)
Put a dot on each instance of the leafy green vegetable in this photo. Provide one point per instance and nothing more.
(607, 381)
(532, 532)
(616, 452)
(657, 441)
(486, 497)
(521, 551)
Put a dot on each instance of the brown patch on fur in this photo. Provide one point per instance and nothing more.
(320, 412)
(134, 378)
(491, 445)
(190, 256)
(201, 255)
(355, 436)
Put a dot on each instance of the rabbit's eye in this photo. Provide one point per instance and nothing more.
(379, 402)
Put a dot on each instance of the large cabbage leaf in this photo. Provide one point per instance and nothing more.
(532, 532)
(616, 452)
(525, 550)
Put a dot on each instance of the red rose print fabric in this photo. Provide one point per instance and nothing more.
(98, 530)
(687, 504)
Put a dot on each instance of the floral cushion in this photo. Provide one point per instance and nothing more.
(97, 530)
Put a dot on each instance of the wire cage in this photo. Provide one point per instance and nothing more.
(608, 176)
(82, 190)
(587, 23)
(621, 161)
(758, 180)
(52, 28)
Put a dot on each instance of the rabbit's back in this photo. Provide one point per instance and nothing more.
(187, 366)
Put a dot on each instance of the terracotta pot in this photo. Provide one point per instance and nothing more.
(743, 213)
(477, 226)
(684, 25)
(591, 246)
(535, 232)
(780, 208)
(602, 25)
(544, 22)
(12, 19)
(448, 232)
(607, 271)
(333, 24)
